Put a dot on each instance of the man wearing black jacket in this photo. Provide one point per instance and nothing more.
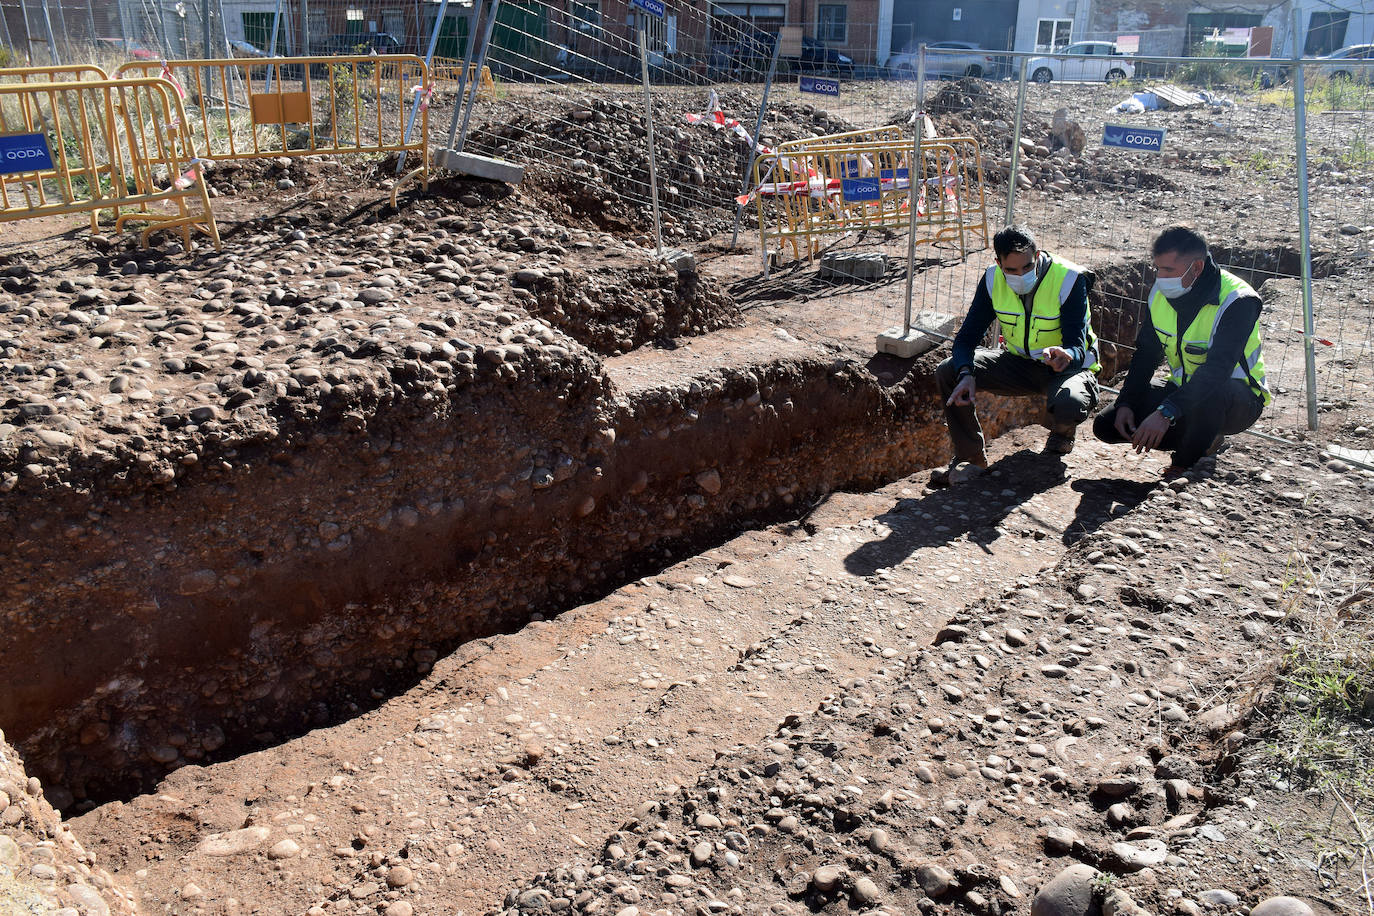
(1204, 323)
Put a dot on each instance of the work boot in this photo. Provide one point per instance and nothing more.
(1217, 445)
(1059, 443)
(957, 472)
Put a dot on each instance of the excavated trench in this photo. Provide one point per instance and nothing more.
(321, 570)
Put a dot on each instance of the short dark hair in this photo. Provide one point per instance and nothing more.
(1184, 241)
(1013, 238)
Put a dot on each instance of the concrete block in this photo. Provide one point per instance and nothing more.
(848, 265)
(907, 346)
(919, 340)
(684, 262)
(481, 166)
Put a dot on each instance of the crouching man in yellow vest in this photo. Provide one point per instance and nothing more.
(1204, 323)
(1040, 302)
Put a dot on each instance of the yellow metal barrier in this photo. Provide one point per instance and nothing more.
(304, 106)
(51, 74)
(803, 194)
(889, 134)
(93, 145)
(448, 70)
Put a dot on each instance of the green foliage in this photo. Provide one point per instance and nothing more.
(1211, 69)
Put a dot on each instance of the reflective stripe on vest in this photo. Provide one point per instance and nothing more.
(1024, 333)
(1187, 352)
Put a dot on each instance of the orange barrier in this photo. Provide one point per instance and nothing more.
(52, 74)
(805, 193)
(303, 106)
(448, 70)
(93, 145)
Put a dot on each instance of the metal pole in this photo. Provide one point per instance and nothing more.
(1014, 172)
(474, 84)
(28, 32)
(52, 41)
(123, 26)
(5, 21)
(649, 127)
(753, 147)
(1304, 227)
(272, 44)
(459, 102)
(915, 179)
(305, 28)
(90, 23)
(420, 96)
(205, 28)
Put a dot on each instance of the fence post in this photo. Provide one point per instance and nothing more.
(649, 126)
(420, 96)
(459, 103)
(1014, 170)
(4, 21)
(123, 26)
(475, 84)
(753, 147)
(915, 179)
(90, 22)
(1304, 227)
(305, 28)
(52, 41)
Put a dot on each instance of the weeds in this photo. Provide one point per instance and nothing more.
(1318, 719)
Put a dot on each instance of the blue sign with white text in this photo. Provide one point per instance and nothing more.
(894, 174)
(1142, 139)
(857, 190)
(24, 153)
(850, 168)
(820, 86)
(652, 7)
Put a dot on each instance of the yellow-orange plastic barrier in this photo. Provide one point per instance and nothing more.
(304, 106)
(93, 145)
(804, 194)
(52, 74)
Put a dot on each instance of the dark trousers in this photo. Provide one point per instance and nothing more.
(1069, 396)
(1232, 409)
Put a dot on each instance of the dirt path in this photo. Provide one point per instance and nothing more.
(520, 749)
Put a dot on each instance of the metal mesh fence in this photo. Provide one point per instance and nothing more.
(1227, 162)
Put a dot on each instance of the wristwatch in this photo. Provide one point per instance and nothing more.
(1168, 412)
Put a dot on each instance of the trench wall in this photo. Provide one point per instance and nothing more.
(287, 581)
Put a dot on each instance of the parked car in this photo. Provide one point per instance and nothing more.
(1083, 60)
(126, 47)
(817, 57)
(971, 60)
(1338, 65)
(752, 53)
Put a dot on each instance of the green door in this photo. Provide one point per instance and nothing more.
(257, 31)
(453, 38)
(518, 39)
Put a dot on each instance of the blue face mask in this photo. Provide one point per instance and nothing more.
(1023, 283)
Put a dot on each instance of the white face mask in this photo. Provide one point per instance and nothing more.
(1022, 283)
(1172, 287)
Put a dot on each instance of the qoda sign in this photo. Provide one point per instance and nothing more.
(1143, 139)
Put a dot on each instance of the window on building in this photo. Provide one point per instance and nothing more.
(742, 17)
(1052, 35)
(1325, 33)
(586, 14)
(832, 22)
(353, 22)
